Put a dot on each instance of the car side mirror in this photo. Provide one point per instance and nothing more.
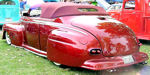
(26, 14)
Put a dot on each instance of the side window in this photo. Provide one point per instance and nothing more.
(130, 5)
(117, 7)
(35, 12)
(7, 2)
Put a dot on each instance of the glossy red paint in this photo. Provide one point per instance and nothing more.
(68, 40)
(137, 17)
(111, 62)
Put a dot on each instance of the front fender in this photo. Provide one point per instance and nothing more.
(15, 31)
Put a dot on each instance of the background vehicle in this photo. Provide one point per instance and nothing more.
(51, 0)
(135, 14)
(76, 35)
(113, 1)
(103, 3)
(114, 7)
(9, 11)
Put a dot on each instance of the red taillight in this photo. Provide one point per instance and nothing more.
(98, 51)
(95, 51)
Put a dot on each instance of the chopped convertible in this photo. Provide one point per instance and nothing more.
(76, 35)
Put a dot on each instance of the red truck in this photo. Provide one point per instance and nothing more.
(135, 14)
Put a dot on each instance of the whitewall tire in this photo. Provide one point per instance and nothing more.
(8, 40)
(57, 64)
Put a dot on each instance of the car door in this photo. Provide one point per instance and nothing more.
(132, 16)
(45, 30)
(31, 33)
(147, 17)
(37, 32)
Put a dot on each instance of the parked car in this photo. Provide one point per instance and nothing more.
(114, 1)
(103, 3)
(51, 0)
(135, 14)
(76, 35)
(9, 11)
(114, 7)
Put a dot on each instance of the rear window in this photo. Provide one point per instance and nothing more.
(130, 5)
(7, 2)
(116, 7)
(35, 12)
(87, 10)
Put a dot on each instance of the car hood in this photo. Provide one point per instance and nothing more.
(114, 37)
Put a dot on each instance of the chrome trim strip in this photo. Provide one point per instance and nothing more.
(37, 49)
(53, 24)
(36, 53)
(31, 51)
(59, 41)
(8, 22)
(10, 29)
(16, 46)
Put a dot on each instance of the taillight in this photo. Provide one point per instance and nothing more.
(138, 42)
(95, 51)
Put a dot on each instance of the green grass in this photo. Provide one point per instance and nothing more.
(16, 61)
(146, 48)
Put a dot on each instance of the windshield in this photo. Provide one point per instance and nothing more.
(7, 2)
(115, 7)
(130, 5)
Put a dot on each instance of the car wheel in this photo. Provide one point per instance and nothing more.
(8, 40)
(57, 64)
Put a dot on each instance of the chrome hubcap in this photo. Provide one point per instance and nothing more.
(8, 38)
(57, 64)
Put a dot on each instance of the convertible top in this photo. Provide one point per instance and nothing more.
(58, 9)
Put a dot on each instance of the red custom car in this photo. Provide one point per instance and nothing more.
(76, 35)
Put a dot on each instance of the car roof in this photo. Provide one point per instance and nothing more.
(58, 9)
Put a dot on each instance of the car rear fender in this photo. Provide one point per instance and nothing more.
(70, 47)
(15, 31)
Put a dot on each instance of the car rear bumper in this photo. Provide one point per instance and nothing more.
(114, 62)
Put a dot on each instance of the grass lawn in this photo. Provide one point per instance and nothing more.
(146, 48)
(15, 61)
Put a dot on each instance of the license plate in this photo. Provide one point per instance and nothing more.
(128, 59)
(8, 19)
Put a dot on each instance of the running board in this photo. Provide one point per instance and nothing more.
(32, 50)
